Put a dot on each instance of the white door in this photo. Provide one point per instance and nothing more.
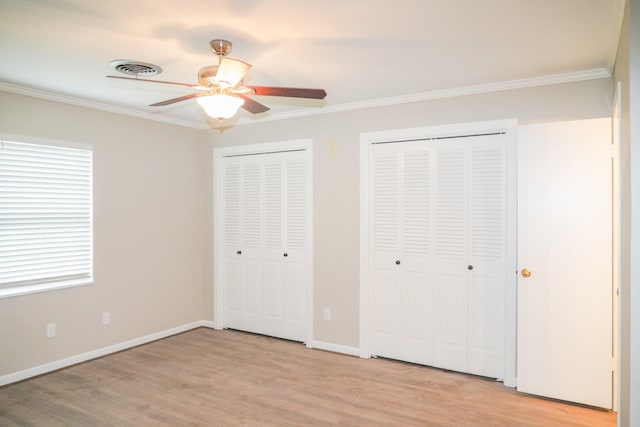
(265, 240)
(285, 247)
(243, 235)
(438, 245)
(564, 241)
(470, 254)
(402, 286)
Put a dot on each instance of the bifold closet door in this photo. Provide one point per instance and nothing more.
(243, 236)
(470, 254)
(438, 252)
(285, 223)
(265, 239)
(402, 281)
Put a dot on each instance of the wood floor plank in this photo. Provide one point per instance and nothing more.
(229, 378)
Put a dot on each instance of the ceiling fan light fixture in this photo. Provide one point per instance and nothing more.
(220, 106)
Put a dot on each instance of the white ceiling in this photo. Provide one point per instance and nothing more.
(362, 52)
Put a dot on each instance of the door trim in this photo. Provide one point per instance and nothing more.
(509, 127)
(616, 130)
(218, 219)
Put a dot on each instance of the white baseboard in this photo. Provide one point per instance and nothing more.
(336, 348)
(63, 363)
(104, 351)
(210, 324)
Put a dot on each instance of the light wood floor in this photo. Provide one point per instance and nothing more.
(230, 378)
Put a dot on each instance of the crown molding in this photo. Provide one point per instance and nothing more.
(596, 73)
(65, 99)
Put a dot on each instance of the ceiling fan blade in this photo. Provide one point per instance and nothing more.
(157, 81)
(253, 106)
(231, 71)
(174, 100)
(289, 92)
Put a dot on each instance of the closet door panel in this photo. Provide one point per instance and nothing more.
(294, 254)
(274, 271)
(295, 300)
(451, 266)
(233, 265)
(451, 323)
(233, 291)
(487, 243)
(486, 334)
(418, 313)
(253, 288)
(416, 276)
(251, 247)
(387, 303)
(274, 289)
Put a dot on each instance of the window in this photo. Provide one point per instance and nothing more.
(45, 217)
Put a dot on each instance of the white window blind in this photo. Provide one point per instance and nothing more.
(45, 217)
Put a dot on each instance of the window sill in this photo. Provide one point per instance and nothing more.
(32, 289)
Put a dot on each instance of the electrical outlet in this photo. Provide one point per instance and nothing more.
(51, 330)
(106, 318)
(327, 314)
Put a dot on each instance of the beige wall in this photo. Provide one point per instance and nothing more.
(336, 173)
(149, 245)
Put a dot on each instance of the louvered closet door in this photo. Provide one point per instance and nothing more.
(295, 250)
(470, 254)
(285, 255)
(488, 255)
(243, 236)
(402, 283)
(273, 243)
(265, 236)
(438, 239)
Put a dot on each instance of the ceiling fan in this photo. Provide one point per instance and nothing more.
(221, 90)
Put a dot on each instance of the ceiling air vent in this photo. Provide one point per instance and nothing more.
(135, 68)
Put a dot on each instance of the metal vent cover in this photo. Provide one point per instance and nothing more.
(135, 68)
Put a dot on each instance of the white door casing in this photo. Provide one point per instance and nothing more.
(262, 239)
(565, 241)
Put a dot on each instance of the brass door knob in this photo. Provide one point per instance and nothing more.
(525, 273)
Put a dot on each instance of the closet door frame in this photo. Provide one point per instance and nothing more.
(509, 127)
(218, 220)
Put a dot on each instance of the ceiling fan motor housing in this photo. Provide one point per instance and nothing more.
(207, 75)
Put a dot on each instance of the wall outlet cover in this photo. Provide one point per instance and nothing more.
(51, 330)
